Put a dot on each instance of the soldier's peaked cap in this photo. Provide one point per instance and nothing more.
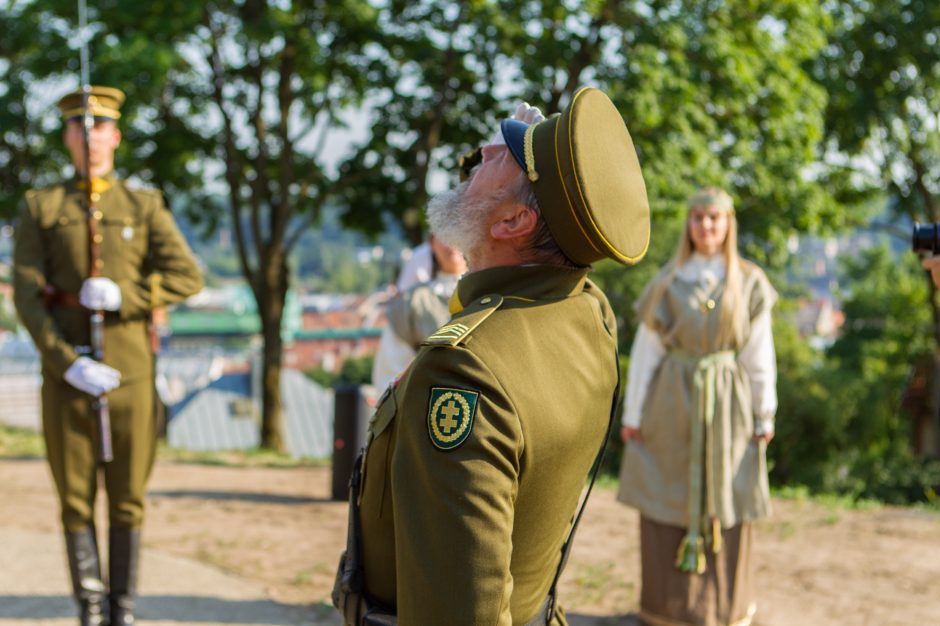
(103, 101)
(587, 179)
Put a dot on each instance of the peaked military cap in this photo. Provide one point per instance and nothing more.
(587, 179)
(103, 101)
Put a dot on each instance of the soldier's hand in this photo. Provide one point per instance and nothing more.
(92, 377)
(525, 113)
(932, 263)
(100, 294)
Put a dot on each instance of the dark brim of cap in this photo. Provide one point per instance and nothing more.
(98, 118)
(514, 136)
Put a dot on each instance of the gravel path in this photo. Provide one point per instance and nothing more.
(179, 591)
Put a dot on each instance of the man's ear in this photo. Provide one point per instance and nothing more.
(518, 221)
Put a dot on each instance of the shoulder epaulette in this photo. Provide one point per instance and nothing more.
(465, 322)
(139, 189)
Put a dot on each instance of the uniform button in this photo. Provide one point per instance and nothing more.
(486, 300)
(99, 263)
(95, 196)
(98, 238)
(710, 304)
(97, 215)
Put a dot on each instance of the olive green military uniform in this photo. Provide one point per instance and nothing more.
(520, 404)
(143, 251)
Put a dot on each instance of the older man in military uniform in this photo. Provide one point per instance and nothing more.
(141, 262)
(477, 458)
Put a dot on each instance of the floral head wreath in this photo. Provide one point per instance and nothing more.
(712, 196)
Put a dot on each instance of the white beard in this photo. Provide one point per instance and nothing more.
(455, 221)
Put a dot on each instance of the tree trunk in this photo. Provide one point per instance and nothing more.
(271, 298)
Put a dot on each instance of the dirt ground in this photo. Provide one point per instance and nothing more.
(815, 564)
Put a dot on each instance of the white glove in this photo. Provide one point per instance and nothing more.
(92, 377)
(525, 113)
(100, 294)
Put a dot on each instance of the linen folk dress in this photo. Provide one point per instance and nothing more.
(697, 477)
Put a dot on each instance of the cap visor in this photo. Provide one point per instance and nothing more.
(514, 136)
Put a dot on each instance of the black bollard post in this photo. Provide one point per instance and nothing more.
(351, 415)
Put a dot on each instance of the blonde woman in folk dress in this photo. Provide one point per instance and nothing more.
(699, 412)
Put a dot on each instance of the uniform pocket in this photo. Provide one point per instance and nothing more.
(124, 245)
(65, 243)
(377, 447)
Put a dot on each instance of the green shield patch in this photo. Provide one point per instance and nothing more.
(450, 416)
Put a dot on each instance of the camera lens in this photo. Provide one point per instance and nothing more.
(925, 238)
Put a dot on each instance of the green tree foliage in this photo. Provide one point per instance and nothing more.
(712, 92)
(29, 53)
(881, 69)
(439, 101)
(355, 370)
(841, 426)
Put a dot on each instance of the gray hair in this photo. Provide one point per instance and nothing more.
(541, 247)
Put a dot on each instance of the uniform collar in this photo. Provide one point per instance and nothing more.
(99, 184)
(525, 282)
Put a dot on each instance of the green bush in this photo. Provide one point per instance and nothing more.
(840, 425)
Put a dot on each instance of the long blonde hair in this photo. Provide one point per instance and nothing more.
(731, 311)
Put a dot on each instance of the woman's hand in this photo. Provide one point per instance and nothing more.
(765, 437)
(628, 432)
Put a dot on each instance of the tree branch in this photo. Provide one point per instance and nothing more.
(285, 96)
(295, 236)
(920, 171)
(232, 160)
(260, 186)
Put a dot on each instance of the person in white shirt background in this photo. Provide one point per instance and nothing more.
(416, 313)
(698, 413)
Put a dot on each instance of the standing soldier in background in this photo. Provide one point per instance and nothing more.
(142, 263)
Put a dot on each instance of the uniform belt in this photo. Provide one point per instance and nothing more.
(53, 296)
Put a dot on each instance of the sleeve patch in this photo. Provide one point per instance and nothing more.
(450, 416)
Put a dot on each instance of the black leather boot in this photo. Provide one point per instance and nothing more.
(85, 569)
(123, 560)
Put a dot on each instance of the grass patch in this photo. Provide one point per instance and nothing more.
(606, 481)
(19, 443)
(237, 458)
(832, 501)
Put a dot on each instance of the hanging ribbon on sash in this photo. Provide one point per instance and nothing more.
(702, 492)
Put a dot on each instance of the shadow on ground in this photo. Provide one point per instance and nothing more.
(243, 496)
(170, 608)
(576, 619)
